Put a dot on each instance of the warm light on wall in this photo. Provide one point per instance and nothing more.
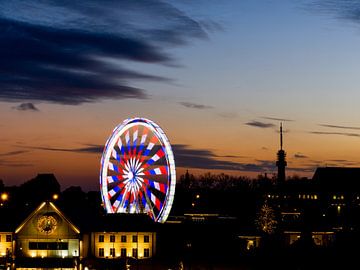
(4, 196)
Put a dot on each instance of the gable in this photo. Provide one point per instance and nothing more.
(47, 222)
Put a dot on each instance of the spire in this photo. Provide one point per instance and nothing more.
(281, 137)
(281, 159)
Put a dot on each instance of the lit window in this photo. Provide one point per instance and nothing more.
(342, 197)
(112, 252)
(123, 252)
(123, 239)
(146, 239)
(101, 252)
(101, 238)
(334, 197)
(315, 197)
(134, 238)
(8, 238)
(112, 238)
(146, 252)
(134, 252)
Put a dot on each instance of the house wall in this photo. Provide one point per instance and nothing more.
(141, 246)
(5, 244)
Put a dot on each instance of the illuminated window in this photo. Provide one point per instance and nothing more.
(146, 239)
(334, 197)
(146, 252)
(123, 239)
(134, 252)
(101, 238)
(112, 238)
(112, 252)
(8, 238)
(123, 252)
(101, 252)
(342, 197)
(315, 197)
(134, 238)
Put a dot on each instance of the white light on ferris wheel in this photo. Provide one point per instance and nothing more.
(137, 173)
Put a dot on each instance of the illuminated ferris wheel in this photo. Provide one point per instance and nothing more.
(137, 173)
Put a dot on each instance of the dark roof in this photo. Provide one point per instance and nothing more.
(338, 178)
(122, 222)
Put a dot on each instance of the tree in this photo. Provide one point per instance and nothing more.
(266, 219)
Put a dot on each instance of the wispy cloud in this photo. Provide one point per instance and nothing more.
(71, 52)
(26, 107)
(340, 9)
(300, 155)
(277, 119)
(13, 153)
(15, 164)
(260, 124)
(195, 105)
(185, 156)
(229, 115)
(91, 148)
(204, 159)
(335, 133)
(340, 127)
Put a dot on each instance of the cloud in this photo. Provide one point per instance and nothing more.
(71, 52)
(259, 124)
(299, 155)
(229, 115)
(340, 127)
(13, 153)
(26, 107)
(277, 119)
(345, 10)
(335, 133)
(15, 164)
(204, 159)
(195, 106)
(184, 157)
(91, 148)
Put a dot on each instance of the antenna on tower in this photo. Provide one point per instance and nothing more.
(281, 137)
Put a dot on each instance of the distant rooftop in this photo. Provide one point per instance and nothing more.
(338, 178)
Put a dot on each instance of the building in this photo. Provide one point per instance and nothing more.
(47, 238)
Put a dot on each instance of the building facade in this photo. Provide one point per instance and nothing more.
(47, 234)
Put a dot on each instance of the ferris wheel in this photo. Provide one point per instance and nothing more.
(137, 173)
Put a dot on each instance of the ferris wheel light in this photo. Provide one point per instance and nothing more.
(137, 173)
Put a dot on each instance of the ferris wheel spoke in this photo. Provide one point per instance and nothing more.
(150, 146)
(121, 146)
(157, 171)
(143, 139)
(159, 186)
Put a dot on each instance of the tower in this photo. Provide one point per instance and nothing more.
(281, 160)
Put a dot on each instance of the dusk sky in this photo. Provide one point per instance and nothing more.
(217, 76)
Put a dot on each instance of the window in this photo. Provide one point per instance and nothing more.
(123, 239)
(146, 252)
(112, 252)
(123, 252)
(134, 252)
(101, 238)
(101, 252)
(112, 238)
(48, 245)
(8, 238)
(146, 239)
(134, 238)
